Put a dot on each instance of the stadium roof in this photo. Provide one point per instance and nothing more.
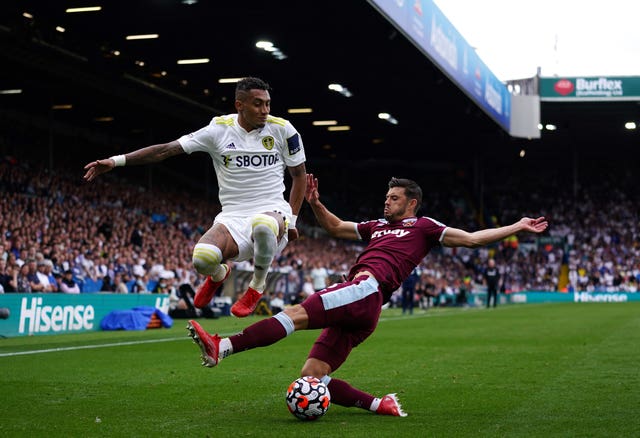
(84, 59)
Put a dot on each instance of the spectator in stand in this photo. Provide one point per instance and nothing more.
(137, 235)
(430, 290)
(43, 276)
(140, 285)
(22, 255)
(33, 277)
(6, 275)
(21, 279)
(122, 266)
(464, 290)
(67, 283)
(319, 275)
(100, 269)
(107, 284)
(166, 283)
(119, 284)
(48, 270)
(5, 250)
(276, 304)
(307, 287)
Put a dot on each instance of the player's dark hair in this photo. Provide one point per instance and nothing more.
(250, 83)
(411, 189)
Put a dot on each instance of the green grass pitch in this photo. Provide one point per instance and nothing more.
(548, 370)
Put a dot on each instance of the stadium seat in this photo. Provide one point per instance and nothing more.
(90, 286)
(151, 285)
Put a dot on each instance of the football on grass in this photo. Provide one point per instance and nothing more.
(308, 398)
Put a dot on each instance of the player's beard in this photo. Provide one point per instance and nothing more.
(398, 215)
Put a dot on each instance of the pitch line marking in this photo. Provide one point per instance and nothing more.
(153, 341)
(88, 347)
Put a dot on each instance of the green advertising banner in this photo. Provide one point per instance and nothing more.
(601, 88)
(41, 314)
(572, 297)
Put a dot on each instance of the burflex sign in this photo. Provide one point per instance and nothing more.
(601, 88)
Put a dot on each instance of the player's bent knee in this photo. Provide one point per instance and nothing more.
(206, 258)
(263, 223)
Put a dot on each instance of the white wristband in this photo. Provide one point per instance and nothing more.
(119, 160)
(292, 221)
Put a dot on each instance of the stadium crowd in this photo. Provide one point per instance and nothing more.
(61, 235)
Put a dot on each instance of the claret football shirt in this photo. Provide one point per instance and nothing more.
(395, 249)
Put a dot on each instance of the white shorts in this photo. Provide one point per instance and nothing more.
(240, 229)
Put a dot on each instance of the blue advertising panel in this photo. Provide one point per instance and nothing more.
(430, 31)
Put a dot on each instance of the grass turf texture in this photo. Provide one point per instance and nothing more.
(566, 370)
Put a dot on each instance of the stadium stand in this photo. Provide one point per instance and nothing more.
(52, 215)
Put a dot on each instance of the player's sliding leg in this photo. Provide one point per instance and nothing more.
(260, 334)
(271, 330)
(207, 261)
(343, 394)
(265, 243)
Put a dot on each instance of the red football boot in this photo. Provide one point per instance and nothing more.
(389, 405)
(209, 344)
(246, 304)
(207, 290)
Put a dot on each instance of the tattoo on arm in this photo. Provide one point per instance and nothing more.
(154, 153)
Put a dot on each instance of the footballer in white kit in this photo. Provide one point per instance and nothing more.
(250, 151)
(249, 165)
(250, 170)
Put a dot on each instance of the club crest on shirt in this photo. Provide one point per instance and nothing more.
(268, 142)
(409, 222)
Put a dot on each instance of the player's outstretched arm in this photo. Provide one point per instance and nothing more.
(147, 155)
(455, 237)
(327, 220)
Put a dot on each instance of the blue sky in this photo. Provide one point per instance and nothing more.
(562, 37)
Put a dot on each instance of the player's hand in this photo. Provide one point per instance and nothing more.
(311, 193)
(98, 167)
(537, 225)
(292, 234)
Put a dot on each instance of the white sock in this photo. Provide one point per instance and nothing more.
(265, 244)
(287, 323)
(374, 404)
(225, 348)
(220, 272)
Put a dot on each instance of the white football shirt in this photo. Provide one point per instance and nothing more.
(249, 165)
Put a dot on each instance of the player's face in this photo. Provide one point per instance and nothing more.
(397, 205)
(253, 109)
